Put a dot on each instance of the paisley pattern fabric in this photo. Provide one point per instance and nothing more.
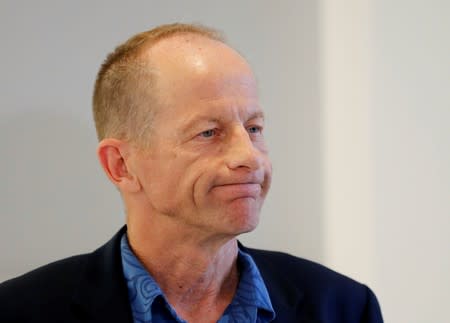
(251, 303)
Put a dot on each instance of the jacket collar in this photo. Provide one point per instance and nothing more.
(102, 294)
(285, 297)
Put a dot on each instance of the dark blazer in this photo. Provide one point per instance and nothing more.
(91, 288)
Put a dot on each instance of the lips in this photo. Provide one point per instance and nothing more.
(238, 190)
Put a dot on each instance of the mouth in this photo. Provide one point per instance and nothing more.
(234, 191)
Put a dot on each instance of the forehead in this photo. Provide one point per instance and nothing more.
(192, 67)
(211, 98)
(190, 57)
(185, 47)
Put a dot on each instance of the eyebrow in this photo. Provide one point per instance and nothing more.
(192, 122)
(257, 114)
(206, 118)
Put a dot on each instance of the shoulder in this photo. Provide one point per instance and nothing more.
(320, 290)
(58, 273)
(68, 288)
(299, 270)
(33, 292)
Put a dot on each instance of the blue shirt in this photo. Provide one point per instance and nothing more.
(251, 303)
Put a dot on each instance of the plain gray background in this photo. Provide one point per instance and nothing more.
(56, 199)
(356, 94)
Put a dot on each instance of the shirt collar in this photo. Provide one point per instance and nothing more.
(143, 289)
(251, 289)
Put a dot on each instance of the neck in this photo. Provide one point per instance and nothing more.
(196, 271)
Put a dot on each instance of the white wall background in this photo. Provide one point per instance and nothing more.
(411, 143)
(358, 104)
(385, 94)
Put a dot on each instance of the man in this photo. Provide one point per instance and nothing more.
(181, 137)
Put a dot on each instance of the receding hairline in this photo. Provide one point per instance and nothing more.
(133, 48)
(109, 116)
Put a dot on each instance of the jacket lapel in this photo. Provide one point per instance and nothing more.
(286, 299)
(102, 294)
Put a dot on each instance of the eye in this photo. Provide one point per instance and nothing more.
(208, 133)
(254, 129)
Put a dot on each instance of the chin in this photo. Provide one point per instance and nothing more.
(248, 228)
(243, 219)
(234, 218)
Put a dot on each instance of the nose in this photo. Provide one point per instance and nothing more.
(242, 152)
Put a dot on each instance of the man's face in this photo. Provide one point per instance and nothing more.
(207, 165)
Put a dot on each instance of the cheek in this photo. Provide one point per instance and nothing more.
(158, 177)
(176, 179)
(268, 174)
(203, 175)
(157, 185)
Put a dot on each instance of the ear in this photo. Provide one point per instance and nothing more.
(112, 154)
